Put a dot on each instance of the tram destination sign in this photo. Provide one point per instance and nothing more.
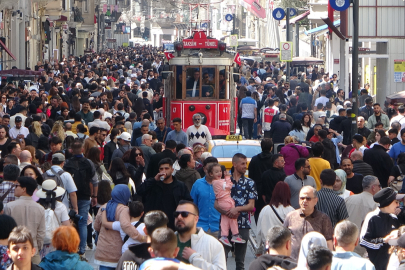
(200, 41)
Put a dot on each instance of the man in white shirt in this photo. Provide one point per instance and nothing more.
(322, 99)
(22, 114)
(98, 122)
(18, 131)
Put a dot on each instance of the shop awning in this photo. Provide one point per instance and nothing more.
(321, 28)
(254, 7)
(7, 50)
(300, 17)
(334, 28)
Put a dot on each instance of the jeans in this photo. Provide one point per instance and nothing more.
(93, 210)
(102, 267)
(84, 206)
(240, 250)
(247, 127)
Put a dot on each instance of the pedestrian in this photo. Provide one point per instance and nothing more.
(354, 180)
(8, 185)
(317, 163)
(21, 249)
(187, 174)
(272, 176)
(310, 240)
(163, 192)
(328, 201)
(280, 129)
(278, 241)
(198, 133)
(7, 225)
(26, 212)
(273, 214)
(345, 240)
(319, 258)
(398, 148)
(359, 166)
(291, 151)
(380, 161)
(307, 219)
(247, 109)
(378, 116)
(380, 226)
(147, 150)
(257, 166)
(66, 242)
(244, 194)
(177, 135)
(299, 179)
(193, 241)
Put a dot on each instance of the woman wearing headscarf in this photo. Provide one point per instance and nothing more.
(109, 243)
(309, 241)
(340, 185)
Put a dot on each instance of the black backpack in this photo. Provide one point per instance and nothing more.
(82, 172)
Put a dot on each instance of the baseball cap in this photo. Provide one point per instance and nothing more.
(125, 136)
(58, 157)
(18, 119)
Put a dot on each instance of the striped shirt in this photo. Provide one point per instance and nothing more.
(332, 205)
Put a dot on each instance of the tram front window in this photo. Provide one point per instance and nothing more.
(208, 82)
(193, 83)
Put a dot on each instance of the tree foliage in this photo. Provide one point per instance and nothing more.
(291, 4)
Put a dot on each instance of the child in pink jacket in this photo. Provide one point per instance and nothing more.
(222, 190)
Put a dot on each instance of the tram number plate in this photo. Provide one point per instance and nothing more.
(234, 137)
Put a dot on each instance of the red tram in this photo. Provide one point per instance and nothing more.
(200, 80)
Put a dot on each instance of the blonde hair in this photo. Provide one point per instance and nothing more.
(36, 128)
(58, 130)
(289, 139)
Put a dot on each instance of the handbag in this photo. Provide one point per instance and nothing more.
(396, 184)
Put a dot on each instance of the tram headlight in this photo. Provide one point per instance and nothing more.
(221, 47)
(178, 46)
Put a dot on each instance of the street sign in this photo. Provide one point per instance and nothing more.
(278, 14)
(204, 25)
(339, 5)
(293, 12)
(233, 41)
(228, 17)
(286, 54)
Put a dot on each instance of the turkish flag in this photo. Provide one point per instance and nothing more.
(237, 59)
(169, 55)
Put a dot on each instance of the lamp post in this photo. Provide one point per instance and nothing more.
(355, 64)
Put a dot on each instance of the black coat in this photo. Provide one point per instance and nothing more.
(269, 180)
(108, 151)
(380, 161)
(346, 128)
(257, 166)
(335, 122)
(279, 130)
(152, 193)
(361, 167)
(329, 152)
(153, 167)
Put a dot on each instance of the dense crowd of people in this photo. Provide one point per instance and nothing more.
(88, 162)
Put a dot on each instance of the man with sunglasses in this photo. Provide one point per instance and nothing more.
(307, 219)
(196, 247)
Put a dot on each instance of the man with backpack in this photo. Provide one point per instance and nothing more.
(86, 180)
(63, 180)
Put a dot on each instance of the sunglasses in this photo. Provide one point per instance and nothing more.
(183, 214)
(138, 154)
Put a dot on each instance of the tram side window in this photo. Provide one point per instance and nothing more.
(193, 82)
(179, 83)
(208, 82)
(222, 84)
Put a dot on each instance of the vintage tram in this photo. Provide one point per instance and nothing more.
(199, 79)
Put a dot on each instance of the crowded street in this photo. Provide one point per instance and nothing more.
(202, 135)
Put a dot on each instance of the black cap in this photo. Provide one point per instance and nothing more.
(18, 119)
(386, 196)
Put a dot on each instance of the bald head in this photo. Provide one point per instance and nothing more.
(145, 122)
(68, 126)
(25, 156)
(356, 155)
(183, 151)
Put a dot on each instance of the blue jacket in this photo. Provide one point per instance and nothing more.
(62, 260)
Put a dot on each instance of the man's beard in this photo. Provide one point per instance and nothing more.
(183, 229)
(197, 124)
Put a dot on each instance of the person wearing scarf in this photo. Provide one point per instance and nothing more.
(340, 184)
(109, 243)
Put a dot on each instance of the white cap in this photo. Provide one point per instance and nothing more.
(125, 136)
(322, 114)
